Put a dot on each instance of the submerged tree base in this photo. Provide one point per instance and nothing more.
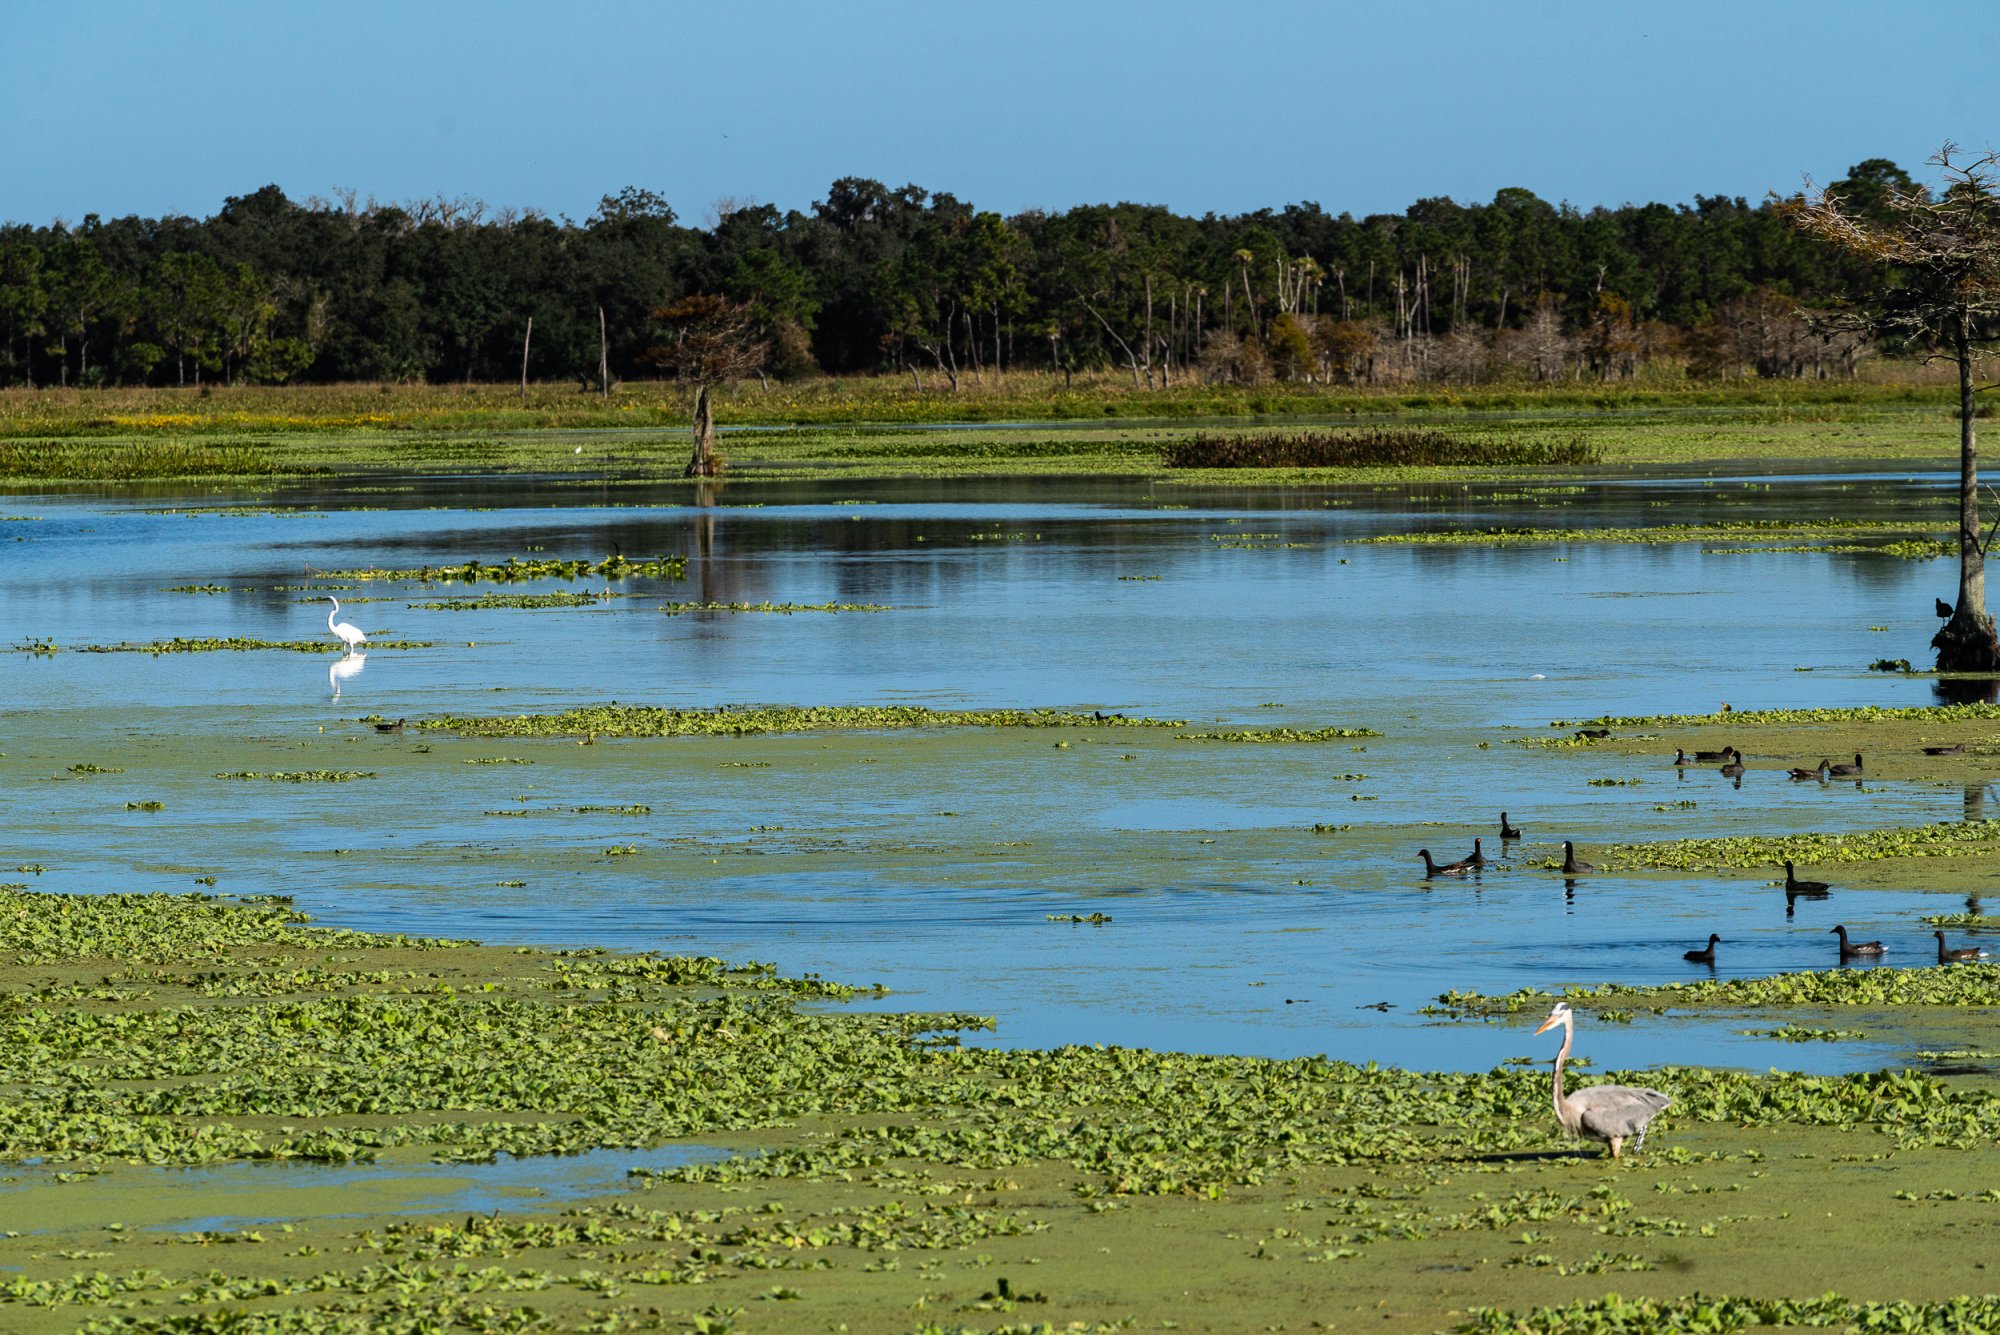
(1967, 643)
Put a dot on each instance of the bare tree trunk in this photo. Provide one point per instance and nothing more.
(705, 462)
(525, 340)
(1967, 642)
(604, 358)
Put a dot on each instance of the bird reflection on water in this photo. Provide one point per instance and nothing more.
(340, 669)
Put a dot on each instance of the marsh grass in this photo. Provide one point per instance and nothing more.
(132, 460)
(1378, 448)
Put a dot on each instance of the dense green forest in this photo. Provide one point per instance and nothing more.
(873, 278)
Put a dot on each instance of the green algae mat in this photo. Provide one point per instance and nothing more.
(882, 1175)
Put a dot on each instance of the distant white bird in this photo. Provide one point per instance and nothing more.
(349, 633)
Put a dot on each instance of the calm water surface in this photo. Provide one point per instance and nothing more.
(931, 862)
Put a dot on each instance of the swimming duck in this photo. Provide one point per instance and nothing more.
(1857, 949)
(1950, 955)
(1795, 887)
(1442, 868)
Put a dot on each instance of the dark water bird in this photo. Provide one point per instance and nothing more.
(1952, 955)
(1734, 769)
(1856, 949)
(1442, 868)
(397, 726)
(1508, 831)
(1570, 865)
(349, 634)
(1478, 856)
(1705, 956)
(1943, 608)
(1682, 758)
(1951, 750)
(1726, 753)
(1794, 887)
(1847, 771)
(1594, 734)
(1609, 1114)
(1800, 775)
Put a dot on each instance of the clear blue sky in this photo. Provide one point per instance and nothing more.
(119, 106)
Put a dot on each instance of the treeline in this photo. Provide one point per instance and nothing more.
(270, 291)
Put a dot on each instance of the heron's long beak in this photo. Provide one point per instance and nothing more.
(1549, 1024)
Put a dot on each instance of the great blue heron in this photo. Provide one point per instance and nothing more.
(1611, 1114)
(349, 633)
(1948, 954)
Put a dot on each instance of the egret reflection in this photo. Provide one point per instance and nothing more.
(340, 669)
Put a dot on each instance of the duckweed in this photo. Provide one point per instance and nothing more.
(487, 602)
(1276, 735)
(301, 776)
(514, 569)
(676, 609)
(236, 644)
(1945, 839)
(1970, 984)
(659, 721)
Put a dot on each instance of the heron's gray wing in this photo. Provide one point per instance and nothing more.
(1617, 1110)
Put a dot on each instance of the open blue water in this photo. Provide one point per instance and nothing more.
(931, 862)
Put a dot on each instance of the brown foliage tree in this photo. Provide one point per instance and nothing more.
(708, 341)
(1936, 259)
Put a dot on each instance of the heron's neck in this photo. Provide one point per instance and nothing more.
(1562, 1055)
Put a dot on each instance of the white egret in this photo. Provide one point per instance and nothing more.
(349, 633)
(1612, 1114)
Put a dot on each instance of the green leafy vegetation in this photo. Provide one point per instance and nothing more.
(1937, 985)
(1783, 534)
(515, 568)
(656, 721)
(675, 609)
(1380, 448)
(301, 776)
